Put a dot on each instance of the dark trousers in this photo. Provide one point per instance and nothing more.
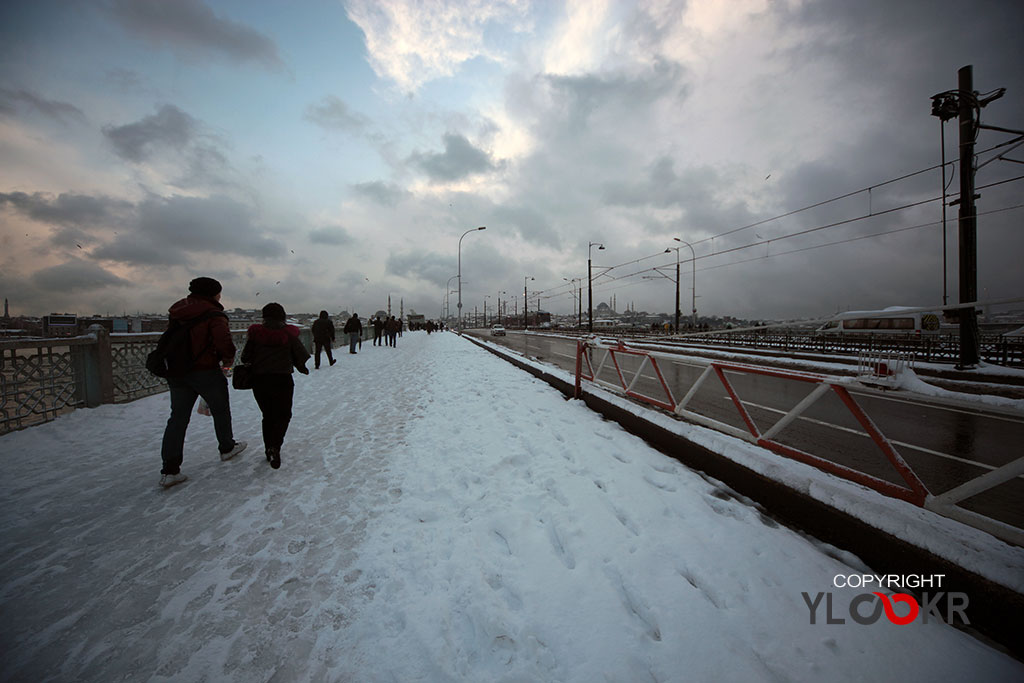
(323, 346)
(212, 386)
(273, 394)
(376, 337)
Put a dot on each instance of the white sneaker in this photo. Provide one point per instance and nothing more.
(239, 447)
(168, 480)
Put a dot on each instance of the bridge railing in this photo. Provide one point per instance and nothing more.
(933, 348)
(41, 379)
(602, 363)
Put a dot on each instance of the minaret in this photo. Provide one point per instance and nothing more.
(7, 313)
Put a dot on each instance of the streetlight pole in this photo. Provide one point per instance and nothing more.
(693, 267)
(526, 323)
(590, 284)
(482, 227)
(447, 291)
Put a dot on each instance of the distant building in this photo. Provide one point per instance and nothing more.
(60, 325)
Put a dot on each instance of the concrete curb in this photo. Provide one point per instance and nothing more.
(996, 612)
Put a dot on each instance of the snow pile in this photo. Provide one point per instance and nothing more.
(439, 516)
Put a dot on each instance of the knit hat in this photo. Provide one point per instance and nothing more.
(205, 286)
(273, 311)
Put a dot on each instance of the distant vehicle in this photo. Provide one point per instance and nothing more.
(893, 320)
(497, 331)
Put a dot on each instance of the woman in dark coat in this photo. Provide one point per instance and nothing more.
(273, 348)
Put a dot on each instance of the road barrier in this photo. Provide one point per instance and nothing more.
(914, 490)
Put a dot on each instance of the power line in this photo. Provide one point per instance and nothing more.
(605, 285)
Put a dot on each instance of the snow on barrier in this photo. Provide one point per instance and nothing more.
(914, 491)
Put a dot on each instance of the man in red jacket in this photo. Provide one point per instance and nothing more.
(212, 349)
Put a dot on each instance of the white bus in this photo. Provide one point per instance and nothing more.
(899, 320)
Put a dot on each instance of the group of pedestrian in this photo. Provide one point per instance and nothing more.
(271, 354)
(386, 330)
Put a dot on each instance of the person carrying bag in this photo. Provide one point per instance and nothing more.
(272, 349)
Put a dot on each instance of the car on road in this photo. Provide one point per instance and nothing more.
(497, 331)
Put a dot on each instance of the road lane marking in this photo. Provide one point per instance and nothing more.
(865, 434)
(939, 406)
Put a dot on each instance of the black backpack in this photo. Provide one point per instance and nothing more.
(172, 356)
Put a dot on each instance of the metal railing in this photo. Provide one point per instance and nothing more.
(41, 379)
(913, 489)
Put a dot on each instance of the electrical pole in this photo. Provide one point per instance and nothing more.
(968, 221)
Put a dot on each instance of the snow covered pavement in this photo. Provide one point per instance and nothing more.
(439, 516)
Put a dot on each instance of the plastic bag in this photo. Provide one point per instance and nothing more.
(204, 407)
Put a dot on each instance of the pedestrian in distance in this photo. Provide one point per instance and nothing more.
(213, 354)
(323, 336)
(354, 330)
(378, 328)
(273, 349)
(391, 328)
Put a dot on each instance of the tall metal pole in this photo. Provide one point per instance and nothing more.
(968, 226)
(677, 290)
(526, 306)
(693, 296)
(942, 140)
(590, 285)
(483, 227)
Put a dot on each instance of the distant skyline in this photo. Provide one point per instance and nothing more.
(326, 155)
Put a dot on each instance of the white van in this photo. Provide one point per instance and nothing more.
(893, 320)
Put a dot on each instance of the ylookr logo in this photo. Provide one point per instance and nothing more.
(899, 608)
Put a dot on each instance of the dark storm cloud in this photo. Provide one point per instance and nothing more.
(190, 26)
(334, 236)
(76, 275)
(170, 127)
(459, 160)
(67, 209)
(386, 194)
(13, 100)
(531, 224)
(581, 98)
(168, 229)
(334, 114)
(414, 265)
(205, 224)
(141, 250)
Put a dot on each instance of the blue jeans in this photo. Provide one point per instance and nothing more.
(212, 386)
(353, 339)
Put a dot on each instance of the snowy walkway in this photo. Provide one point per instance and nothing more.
(439, 516)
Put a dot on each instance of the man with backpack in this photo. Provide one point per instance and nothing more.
(210, 348)
(354, 330)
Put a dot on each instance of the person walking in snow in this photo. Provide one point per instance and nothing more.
(273, 348)
(391, 327)
(323, 335)
(354, 330)
(214, 353)
(378, 328)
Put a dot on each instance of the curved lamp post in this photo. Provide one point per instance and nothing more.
(590, 284)
(482, 227)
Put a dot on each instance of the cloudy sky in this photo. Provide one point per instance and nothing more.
(330, 153)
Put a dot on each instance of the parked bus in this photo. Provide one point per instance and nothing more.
(899, 320)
